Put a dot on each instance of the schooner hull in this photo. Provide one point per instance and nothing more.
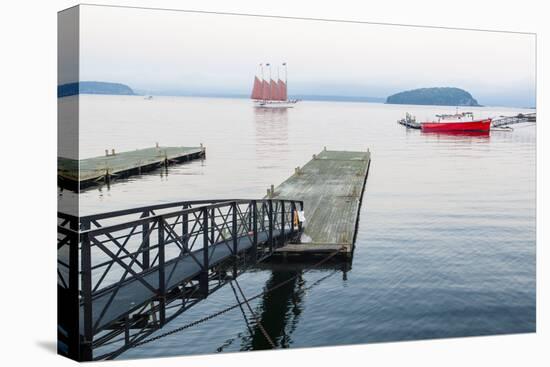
(274, 104)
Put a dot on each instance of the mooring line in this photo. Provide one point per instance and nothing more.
(241, 307)
(225, 310)
(318, 281)
(256, 318)
(303, 290)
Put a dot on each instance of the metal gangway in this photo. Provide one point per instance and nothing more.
(123, 275)
(511, 120)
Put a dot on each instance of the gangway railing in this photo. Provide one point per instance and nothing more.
(124, 274)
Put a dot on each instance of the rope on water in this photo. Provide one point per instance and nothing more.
(241, 307)
(256, 318)
(239, 304)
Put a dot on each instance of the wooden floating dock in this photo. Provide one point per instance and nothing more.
(331, 186)
(116, 165)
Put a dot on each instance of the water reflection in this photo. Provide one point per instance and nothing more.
(413, 268)
(271, 125)
(279, 311)
(452, 135)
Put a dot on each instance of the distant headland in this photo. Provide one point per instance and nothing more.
(441, 96)
(445, 96)
(90, 87)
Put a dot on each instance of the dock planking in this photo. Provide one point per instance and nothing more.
(123, 164)
(331, 186)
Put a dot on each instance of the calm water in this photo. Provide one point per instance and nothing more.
(446, 241)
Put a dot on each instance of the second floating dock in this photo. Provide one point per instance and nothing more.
(331, 186)
(75, 174)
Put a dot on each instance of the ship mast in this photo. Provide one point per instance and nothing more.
(286, 81)
(270, 96)
(278, 77)
(262, 72)
(279, 95)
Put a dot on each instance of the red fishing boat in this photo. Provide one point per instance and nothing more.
(271, 94)
(464, 122)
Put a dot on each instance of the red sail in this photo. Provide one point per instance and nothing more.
(274, 91)
(257, 89)
(283, 92)
(266, 95)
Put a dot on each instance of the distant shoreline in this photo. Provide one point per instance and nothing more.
(302, 97)
(110, 88)
(315, 100)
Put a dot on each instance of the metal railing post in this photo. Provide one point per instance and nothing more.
(282, 221)
(270, 229)
(292, 214)
(185, 228)
(203, 278)
(68, 300)
(249, 217)
(234, 233)
(212, 226)
(86, 352)
(254, 230)
(262, 225)
(162, 272)
(145, 242)
(300, 222)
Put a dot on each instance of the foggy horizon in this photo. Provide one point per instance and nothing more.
(167, 51)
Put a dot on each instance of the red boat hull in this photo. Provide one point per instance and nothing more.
(479, 125)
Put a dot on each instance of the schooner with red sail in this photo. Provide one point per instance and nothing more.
(271, 93)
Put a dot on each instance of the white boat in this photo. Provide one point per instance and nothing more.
(271, 94)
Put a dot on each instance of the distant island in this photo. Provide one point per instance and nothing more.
(88, 87)
(445, 96)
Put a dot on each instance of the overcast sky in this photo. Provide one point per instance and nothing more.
(211, 53)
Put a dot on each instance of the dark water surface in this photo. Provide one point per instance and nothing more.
(446, 240)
